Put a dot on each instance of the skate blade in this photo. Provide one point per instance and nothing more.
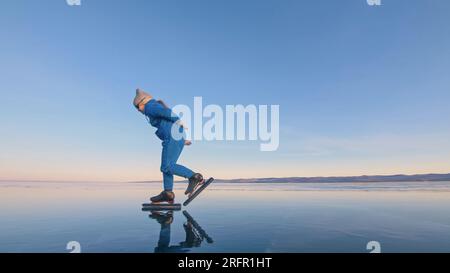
(161, 206)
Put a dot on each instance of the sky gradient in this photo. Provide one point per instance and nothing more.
(361, 89)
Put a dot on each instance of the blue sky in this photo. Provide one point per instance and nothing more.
(361, 89)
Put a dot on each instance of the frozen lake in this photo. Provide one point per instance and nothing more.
(311, 217)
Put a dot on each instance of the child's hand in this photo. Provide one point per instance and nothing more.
(180, 123)
(187, 142)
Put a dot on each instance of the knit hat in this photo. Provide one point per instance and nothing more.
(140, 97)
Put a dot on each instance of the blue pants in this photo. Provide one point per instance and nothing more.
(170, 153)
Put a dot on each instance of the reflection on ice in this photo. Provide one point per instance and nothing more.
(309, 217)
(195, 234)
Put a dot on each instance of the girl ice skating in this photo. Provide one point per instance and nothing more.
(162, 117)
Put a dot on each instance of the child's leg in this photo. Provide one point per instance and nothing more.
(168, 181)
(164, 237)
(171, 152)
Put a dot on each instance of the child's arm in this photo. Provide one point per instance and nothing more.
(163, 112)
(163, 103)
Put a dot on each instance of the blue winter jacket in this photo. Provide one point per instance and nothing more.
(161, 118)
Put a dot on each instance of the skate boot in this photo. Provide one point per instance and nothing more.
(162, 218)
(195, 181)
(165, 196)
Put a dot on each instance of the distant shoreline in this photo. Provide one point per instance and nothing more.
(275, 180)
(337, 179)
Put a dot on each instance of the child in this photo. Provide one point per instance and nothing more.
(161, 117)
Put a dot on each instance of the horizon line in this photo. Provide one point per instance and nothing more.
(217, 179)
